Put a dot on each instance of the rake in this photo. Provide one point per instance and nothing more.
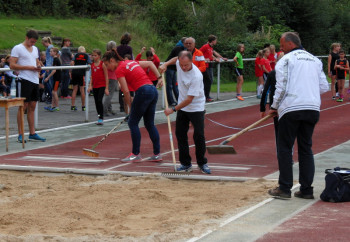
(222, 148)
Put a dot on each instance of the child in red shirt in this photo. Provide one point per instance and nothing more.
(265, 63)
(151, 56)
(99, 82)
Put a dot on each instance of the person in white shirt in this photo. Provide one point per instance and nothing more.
(25, 59)
(190, 108)
(299, 82)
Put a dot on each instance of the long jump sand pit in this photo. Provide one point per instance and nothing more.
(41, 207)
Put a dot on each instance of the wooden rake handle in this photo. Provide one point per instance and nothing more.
(247, 128)
(169, 125)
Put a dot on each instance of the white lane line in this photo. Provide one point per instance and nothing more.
(66, 159)
(237, 216)
(215, 167)
(121, 165)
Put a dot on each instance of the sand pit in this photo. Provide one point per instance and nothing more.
(41, 207)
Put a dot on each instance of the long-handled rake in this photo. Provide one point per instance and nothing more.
(91, 152)
(222, 148)
(169, 126)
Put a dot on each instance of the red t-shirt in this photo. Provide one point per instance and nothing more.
(97, 75)
(134, 75)
(207, 51)
(272, 60)
(258, 71)
(266, 63)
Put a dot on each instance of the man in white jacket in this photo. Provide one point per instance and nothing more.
(300, 81)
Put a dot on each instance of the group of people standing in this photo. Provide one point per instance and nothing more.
(338, 66)
(139, 80)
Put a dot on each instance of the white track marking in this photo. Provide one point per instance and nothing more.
(63, 159)
(215, 167)
(237, 216)
(121, 165)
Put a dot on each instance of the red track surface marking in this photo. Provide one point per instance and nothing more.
(320, 222)
(256, 149)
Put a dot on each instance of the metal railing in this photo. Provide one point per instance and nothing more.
(88, 75)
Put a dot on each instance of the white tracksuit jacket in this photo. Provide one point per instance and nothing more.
(299, 82)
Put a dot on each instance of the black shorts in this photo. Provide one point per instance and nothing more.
(77, 80)
(28, 90)
(239, 71)
(334, 72)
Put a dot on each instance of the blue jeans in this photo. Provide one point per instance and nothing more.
(144, 105)
(171, 86)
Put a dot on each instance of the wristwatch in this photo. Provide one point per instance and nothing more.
(159, 77)
(173, 108)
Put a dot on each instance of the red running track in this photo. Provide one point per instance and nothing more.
(256, 149)
(320, 222)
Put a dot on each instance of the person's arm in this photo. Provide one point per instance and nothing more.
(281, 80)
(263, 99)
(235, 60)
(156, 60)
(324, 86)
(153, 68)
(51, 73)
(125, 90)
(329, 65)
(90, 84)
(217, 55)
(163, 67)
(202, 66)
(138, 57)
(181, 105)
(15, 66)
(105, 72)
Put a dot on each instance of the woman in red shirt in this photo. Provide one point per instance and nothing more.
(130, 75)
(99, 82)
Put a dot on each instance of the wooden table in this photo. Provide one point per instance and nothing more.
(13, 102)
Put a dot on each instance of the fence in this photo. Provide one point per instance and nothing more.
(88, 74)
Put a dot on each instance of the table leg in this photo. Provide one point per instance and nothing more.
(7, 127)
(22, 124)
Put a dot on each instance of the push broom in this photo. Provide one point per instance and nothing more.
(92, 152)
(222, 148)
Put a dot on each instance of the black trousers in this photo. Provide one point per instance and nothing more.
(183, 120)
(98, 96)
(207, 81)
(296, 125)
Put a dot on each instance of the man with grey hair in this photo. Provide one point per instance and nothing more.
(299, 82)
(107, 104)
(191, 108)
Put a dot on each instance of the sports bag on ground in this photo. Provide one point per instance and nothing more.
(337, 185)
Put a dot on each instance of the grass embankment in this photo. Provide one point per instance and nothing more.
(90, 33)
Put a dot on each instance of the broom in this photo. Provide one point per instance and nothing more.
(91, 152)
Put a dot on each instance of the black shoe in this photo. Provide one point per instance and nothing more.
(299, 194)
(278, 193)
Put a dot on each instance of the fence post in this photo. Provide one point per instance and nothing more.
(218, 82)
(87, 82)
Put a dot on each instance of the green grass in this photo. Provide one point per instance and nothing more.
(249, 86)
(90, 33)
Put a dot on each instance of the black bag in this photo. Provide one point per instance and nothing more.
(337, 185)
